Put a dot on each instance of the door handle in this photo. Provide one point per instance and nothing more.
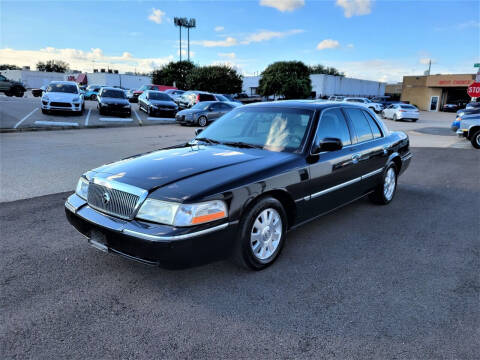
(355, 158)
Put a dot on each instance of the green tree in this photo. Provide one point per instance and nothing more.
(9, 67)
(290, 79)
(320, 69)
(173, 73)
(215, 78)
(53, 66)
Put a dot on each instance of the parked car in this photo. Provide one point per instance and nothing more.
(472, 106)
(157, 103)
(221, 97)
(154, 87)
(336, 98)
(62, 96)
(205, 112)
(450, 107)
(190, 98)
(240, 185)
(11, 87)
(39, 92)
(230, 98)
(470, 128)
(113, 100)
(469, 111)
(174, 93)
(91, 92)
(377, 107)
(401, 112)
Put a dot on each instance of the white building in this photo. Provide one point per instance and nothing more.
(36, 79)
(327, 85)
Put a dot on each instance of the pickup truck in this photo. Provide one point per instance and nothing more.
(11, 87)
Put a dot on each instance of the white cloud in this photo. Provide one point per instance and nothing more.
(355, 7)
(229, 41)
(265, 35)
(231, 55)
(83, 60)
(426, 60)
(219, 28)
(328, 44)
(156, 16)
(283, 5)
(350, 46)
(184, 53)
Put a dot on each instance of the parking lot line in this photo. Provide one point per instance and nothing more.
(116, 119)
(25, 118)
(138, 117)
(88, 117)
(55, 123)
(160, 119)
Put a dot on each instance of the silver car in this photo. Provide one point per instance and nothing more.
(205, 112)
(470, 129)
(401, 112)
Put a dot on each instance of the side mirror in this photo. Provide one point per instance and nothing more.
(328, 144)
(198, 131)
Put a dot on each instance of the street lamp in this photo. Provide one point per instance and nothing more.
(186, 23)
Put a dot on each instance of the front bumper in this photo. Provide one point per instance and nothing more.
(462, 133)
(116, 110)
(73, 107)
(154, 244)
(164, 113)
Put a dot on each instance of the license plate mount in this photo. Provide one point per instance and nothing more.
(98, 241)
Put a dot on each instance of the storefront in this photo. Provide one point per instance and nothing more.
(431, 92)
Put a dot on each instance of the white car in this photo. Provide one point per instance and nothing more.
(377, 107)
(401, 112)
(63, 96)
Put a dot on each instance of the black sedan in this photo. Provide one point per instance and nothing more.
(240, 185)
(204, 112)
(113, 101)
(157, 103)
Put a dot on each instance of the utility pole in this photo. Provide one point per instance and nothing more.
(187, 23)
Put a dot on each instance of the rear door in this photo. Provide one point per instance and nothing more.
(370, 148)
(332, 177)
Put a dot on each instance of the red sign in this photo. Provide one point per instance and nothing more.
(474, 90)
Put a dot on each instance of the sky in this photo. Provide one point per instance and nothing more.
(380, 40)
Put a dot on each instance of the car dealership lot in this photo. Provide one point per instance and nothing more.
(399, 281)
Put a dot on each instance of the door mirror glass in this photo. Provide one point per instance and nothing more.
(327, 144)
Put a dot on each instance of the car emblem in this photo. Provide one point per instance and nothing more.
(105, 198)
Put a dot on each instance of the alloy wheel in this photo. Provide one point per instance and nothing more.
(266, 234)
(390, 183)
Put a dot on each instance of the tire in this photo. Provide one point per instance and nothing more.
(202, 121)
(256, 252)
(83, 109)
(414, 120)
(44, 111)
(394, 118)
(100, 111)
(93, 97)
(18, 92)
(475, 140)
(8, 93)
(384, 193)
(149, 110)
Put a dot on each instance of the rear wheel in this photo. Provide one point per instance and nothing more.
(44, 111)
(262, 233)
(202, 121)
(475, 140)
(385, 191)
(18, 92)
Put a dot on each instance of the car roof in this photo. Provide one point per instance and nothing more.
(64, 82)
(305, 104)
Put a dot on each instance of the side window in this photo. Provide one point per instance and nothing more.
(2, 78)
(332, 124)
(377, 133)
(360, 124)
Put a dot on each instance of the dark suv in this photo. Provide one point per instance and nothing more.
(190, 98)
(11, 87)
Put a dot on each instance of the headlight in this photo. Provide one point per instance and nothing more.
(77, 99)
(182, 214)
(45, 98)
(126, 106)
(82, 188)
(461, 114)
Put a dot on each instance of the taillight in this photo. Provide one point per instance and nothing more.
(198, 98)
(402, 110)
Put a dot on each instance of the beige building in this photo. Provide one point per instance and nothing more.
(431, 92)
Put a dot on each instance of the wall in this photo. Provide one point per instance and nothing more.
(326, 85)
(123, 80)
(33, 79)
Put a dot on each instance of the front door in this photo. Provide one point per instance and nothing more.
(434, 103)
(332, 177)
(4, 84)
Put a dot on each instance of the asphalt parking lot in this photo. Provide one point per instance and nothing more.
(393, 282)
(26, 114)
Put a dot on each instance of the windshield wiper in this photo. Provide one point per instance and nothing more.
(207, 140)
(242, 144)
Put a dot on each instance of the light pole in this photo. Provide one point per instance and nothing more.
(187, 23)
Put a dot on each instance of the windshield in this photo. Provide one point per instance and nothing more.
(275, 129)
(409, 107)
(113, 94)
(159, 96)
(62, 88)
(200, 106)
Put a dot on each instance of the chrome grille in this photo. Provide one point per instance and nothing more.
(112, 201)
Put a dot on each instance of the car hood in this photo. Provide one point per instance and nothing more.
(167, 168)
(112, 101)
(61, 97)
(163, 103)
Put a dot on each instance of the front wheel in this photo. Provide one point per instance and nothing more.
(202, 121)
(475, 140)
(385, 191)
(394, 117)
(261, 235)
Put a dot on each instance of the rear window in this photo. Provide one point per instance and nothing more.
(159, 96)
(408, 107)
(206, 97)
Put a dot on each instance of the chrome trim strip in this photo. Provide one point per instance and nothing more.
(175, 237)
(336, 187)
(70, 207)
(378, 171)
(406, 157)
